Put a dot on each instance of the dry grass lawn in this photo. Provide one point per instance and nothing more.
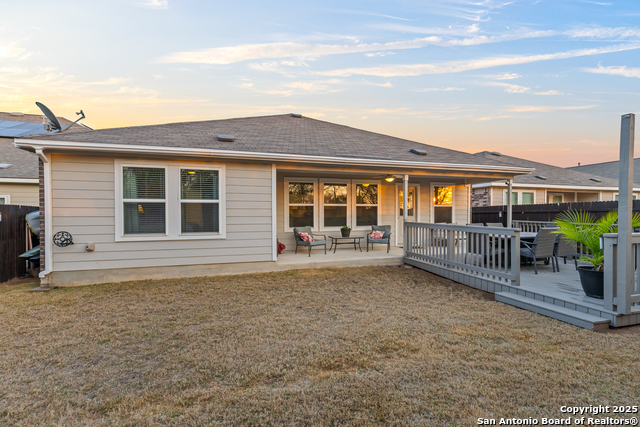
(360, 346)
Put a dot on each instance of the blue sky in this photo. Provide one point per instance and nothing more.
(541, 79)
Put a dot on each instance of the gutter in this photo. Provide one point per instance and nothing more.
(48, 217)
(551, 186)
(34, 144)
(19, 180)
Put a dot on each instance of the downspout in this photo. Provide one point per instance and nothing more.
(48, 238)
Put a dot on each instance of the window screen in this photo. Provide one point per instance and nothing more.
(143, 193)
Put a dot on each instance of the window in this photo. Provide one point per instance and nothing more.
(443, 204)
(616, 197)
(555, 198)
(167, 201)
(366, 204)
(514, 198)
(143, 196)
(5, 200)
(527, 198)
(301, 197)
(520, 197)
(335, 205)
(199, 201)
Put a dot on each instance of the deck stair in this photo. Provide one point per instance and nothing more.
(578, 318)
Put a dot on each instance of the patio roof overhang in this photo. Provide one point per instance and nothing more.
(404, 167)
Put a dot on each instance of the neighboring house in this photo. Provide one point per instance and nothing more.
(545, 184)
(19, 168)
(215, 196)
(610, 170)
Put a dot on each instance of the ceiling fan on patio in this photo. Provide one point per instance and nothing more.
(54, 123)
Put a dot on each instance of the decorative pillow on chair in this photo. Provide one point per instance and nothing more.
(306, 237)
(377, 235)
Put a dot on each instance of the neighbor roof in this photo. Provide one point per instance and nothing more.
(609, 170)
(280, 134)
(14, 125)
(555, 175)
(24, 165)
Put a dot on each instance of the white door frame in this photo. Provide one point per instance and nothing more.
(416, 206)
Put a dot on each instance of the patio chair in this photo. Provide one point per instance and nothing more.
(309, 243)
(386, 237)
(565, 248)
(542, 248)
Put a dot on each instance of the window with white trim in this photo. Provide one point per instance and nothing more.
(520, 197)
(5, 200)
(442, 203)
(144, 201)
(301, 203)
(367, 196)
(616, 197)
(167, 201)
(335, 204)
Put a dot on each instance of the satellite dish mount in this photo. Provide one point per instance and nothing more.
(54, 124)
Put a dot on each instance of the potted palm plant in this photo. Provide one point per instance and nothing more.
(345, 230)
(582, 227)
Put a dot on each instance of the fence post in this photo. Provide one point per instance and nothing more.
(625, 266)
(515, 257)
(450, 244)
(610, 270)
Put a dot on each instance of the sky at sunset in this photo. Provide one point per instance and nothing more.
(547, 80)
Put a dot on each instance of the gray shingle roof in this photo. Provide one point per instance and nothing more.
(23, 164)
(281, 134)
(609, 170)
(555, 175)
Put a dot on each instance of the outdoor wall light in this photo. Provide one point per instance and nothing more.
(390, 178)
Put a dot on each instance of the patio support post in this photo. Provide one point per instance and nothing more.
(509, 206)
(405, 202)
(625, 279)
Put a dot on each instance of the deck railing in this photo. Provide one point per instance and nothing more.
(530, 226)
(623, 298)
(470, 251)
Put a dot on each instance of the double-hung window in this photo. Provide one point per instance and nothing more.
(335, 212)
(144, 200)
(169, 201)
(442, 204)
(366, 195)
(301, 198)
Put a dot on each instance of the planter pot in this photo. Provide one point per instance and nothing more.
(592, 282)
(345, 233)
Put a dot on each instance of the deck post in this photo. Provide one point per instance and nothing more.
(405, 202)
(515, 257)
(509, 203)
(625, 267)
(610, 267)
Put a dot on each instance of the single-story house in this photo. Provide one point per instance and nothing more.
(19, 168)
(545, 184)
(218, 195)
(610, 170)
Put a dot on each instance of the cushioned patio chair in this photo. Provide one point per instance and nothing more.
(542, 248)
(565, 248)
(386, 237)
(313, 241)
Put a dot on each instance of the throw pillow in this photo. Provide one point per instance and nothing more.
(376, 235)
(305, 236)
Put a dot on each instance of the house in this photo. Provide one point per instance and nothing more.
(610, 170)
(545, 184)
(19, 168)
(216, 196)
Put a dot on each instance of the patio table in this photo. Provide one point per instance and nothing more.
(335, 241)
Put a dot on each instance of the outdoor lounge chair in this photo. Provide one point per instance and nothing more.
(565, 248)
(309, 244)
(542, 248)
(386, 238)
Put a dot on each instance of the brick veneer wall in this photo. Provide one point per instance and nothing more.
(481, 197)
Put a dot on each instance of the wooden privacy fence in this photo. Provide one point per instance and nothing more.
(14, 240)
(465, 254)
(542, 213)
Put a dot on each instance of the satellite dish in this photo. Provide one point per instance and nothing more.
(54, 124)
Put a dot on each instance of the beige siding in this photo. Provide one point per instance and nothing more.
(84, 205)
(20, 194)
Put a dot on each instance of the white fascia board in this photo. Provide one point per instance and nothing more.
(19, 180)
(247, 155)
(552, 187)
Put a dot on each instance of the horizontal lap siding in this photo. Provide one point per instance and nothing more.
(20, 194)
(84, 205)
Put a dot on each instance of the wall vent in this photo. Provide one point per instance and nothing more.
(226, 138)
(418, 151)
